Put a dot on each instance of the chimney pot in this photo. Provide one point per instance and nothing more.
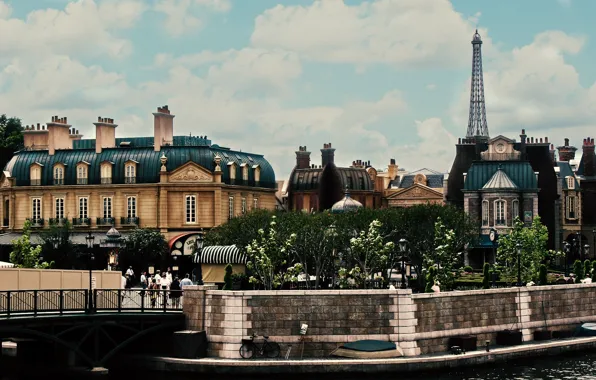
(392, 161)
(523, 131)
(38, 127)
(546, 139)
(566, 141)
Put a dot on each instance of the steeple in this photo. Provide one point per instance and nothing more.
(477, 126)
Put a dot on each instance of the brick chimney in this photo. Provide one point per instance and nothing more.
(588, 157)
(75, 135)
(327, 155)
(105, 134)
(522, 145)
(163, 128)
(552, 154)
(566, 152)
(302, 158)
(58, 134)
(392, 169)
(35, 138)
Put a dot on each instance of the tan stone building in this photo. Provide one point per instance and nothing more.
(177, 184)
(419, 187)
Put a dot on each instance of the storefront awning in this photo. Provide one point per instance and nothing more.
(221, 254)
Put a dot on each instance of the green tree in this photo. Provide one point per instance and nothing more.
(533, 241)
(64, 255)
(11, 138)
(486, 276)
(542, 275)
(445, 256)
(24, 254)
(143, 246)
(587, 268)
(228, 277)
(578, 271)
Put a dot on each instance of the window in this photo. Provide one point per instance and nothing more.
(255, 203)
(361, 183)
(232, 168)
(106, 173)
(131, 207)
(36, 210)
(515, 209)
(230, 207)
(243, 206)
(58, 175)
(572, 207)
(191, 209)
(59, 209)
(107, 207)
(485, 213)
(82, 178)
(570, 182)
(130, 173)
(35, 175)
(83, 208)
(500, 213)
(244, 172)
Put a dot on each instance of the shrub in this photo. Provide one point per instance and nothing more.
(578, 271)
(468, 268)
(228, 278)
(587, 268)
(542, 275)
(486, 278)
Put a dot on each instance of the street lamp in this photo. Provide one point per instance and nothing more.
(332, 233)
(519, 251)
(199, 254)
(175, 267)
(403, 245)
(567, 249)
(89, 239)
(586, 250)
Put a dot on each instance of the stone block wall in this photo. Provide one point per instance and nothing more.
(419, 323)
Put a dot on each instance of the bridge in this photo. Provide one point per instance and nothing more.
(78, 327)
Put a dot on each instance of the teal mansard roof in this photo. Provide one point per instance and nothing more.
(140, 150)
(505, 175)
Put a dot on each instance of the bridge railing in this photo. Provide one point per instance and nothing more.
(16, 302)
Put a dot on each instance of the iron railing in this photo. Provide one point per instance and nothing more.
(105, 221)
(134, 221)
(58, 221)
(35, 182)
(36, 222)
(81, 222)
(58, 181)
(106, 180)
(82, 181)
(41, 302)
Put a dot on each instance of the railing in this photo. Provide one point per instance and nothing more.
(106, 180)
(39, 302)
(35, 182)
(129, 221)
(81, 222)
(130, 179)
(35, 222)
(105, 221)
(500, 156)
(82, 181)
(58, 221)
(58, 181)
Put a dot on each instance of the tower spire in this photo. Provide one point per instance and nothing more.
(477, 126)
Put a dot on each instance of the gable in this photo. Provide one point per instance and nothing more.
(190, 172)
(416, 191)
(500, 138)
(4, 181)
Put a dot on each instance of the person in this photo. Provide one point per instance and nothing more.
(169, 275)
(153, 287)
(186, 281)
(175, 292)
(130, 272)
(144, 280)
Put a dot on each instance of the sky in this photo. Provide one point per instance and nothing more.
(379, 79)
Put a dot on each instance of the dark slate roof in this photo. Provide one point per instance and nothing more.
(306, 179)
(144, 142)
(520, 172)
(311, 178)
(566, 171)
(148, 163)
(434, 179)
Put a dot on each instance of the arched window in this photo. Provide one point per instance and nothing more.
(82, 174)
(191, 209)
(130, 172)
(106, 173)
(500, 213)
(485, 213)
(58, 174)
(570, 182)
(244, 167)
(515, 209)
(257, 172)
(35, 175)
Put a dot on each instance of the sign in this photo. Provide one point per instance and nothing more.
(190, 245)
(93, 283)
(151, 270)
(527, 216)
(303, 329)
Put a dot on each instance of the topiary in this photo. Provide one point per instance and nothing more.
(486, 278)
(578, 271)
(468, 268)
(430, 280)
(542, 275)
(228, 279)
(587, 268)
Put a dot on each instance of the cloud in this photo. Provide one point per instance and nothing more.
(182, 16)
(5, 10)
(564, 3)
(400, 33)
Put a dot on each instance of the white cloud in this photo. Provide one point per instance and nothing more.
(5, 10)
(402, 33)
(182, 16)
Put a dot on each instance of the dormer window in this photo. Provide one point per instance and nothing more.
(130, 172)
(232, 169)
(82, 173)
(244, 167)
(106, 172)
(257, 172)
(35, 174)
(500, 213)
(59, 174)
(570, 182)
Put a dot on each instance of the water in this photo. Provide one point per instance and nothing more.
(574, 366)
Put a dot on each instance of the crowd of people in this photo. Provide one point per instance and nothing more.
(167, 282)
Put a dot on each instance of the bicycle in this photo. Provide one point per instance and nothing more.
(267, 348)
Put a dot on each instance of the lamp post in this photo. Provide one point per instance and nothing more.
(578, 245)
(113, 241)
(567, 249)
(519, 251)
(403, 245)
(586, 250)
(332, 231)
(90, 238)
(199, 250)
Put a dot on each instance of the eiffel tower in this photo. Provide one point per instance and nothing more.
(477, 126)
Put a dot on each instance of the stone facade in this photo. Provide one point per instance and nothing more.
(418, 323)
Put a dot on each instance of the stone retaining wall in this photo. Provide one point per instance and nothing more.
(419, 323)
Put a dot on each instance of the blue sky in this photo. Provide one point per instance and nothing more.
(379, 79)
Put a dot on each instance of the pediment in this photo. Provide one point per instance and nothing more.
(191, 172)
(416, 191)
(4, 181)
(501, 138)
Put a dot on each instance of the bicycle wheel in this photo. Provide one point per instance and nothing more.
(246, 350)
(271, 350)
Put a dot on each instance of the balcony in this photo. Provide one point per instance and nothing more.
(515, 156)
(58, 221)
(130, 179)
(58, 181)
(82, 181)
(129, 221)
(105, 222)
(35, 182)
(106, 180)
(36, 222)
(81, 222)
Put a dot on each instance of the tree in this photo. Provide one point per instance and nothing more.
(228, 277)
(239, 231)
(24, 255)
(143, 246)
(430, 279)
(486, 276)
(11, 138)
(445, 256)
(533, 240)
(587, 268)
(64, 255)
